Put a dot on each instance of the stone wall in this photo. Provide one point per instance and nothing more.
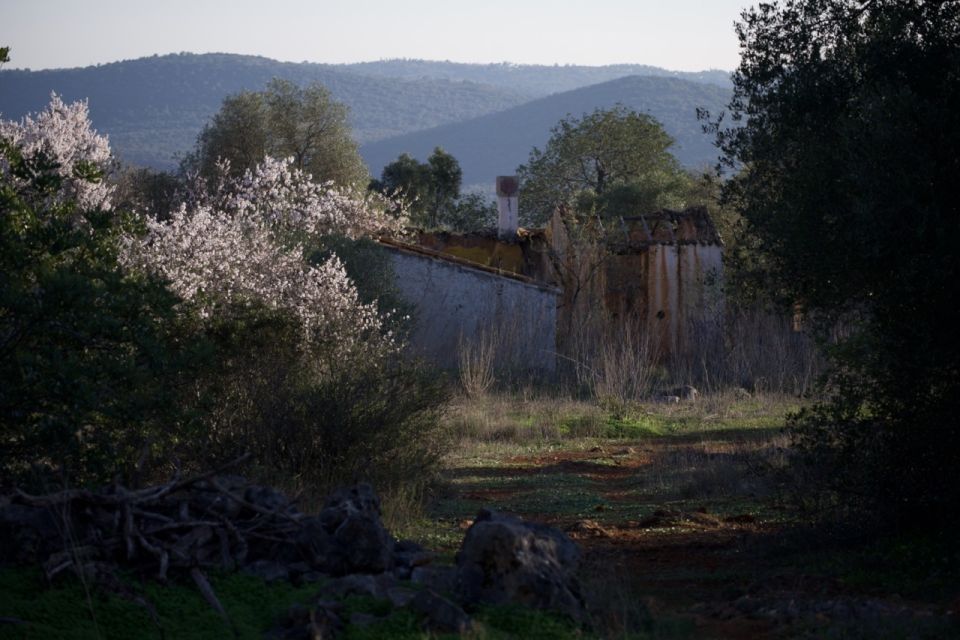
(456, 303)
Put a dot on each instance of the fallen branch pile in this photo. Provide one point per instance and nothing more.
(193, 525)
(216, 521)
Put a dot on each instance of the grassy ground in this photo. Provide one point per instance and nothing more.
(686, 516)
(689, 520)
(67, 611)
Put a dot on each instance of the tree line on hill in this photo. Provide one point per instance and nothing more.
(153, 108)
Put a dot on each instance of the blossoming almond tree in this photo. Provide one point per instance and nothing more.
(291, 202)
(62, 136)
(238, 241)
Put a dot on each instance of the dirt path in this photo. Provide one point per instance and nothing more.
(673, 544)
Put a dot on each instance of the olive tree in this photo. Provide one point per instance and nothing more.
(284, 120)
(589, 157)
(846, 168)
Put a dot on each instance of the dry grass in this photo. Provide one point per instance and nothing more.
(529, 417)
(478, 357)
(509, 418)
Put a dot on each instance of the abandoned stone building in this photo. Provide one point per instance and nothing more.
(540, 290)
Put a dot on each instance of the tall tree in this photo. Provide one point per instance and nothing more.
(445, 178)
(587, 157)
(850, 152)
(282, 121)
(430, 190)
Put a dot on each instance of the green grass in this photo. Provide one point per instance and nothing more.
(62, 612)
(65, 612)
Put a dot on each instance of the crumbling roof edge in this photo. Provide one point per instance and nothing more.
(468, 264)
(706, 235)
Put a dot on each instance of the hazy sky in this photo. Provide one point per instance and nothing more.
(677, 34)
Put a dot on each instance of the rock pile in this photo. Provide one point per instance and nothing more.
(223, 522)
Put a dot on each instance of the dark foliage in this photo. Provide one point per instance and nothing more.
(851, 152)
(91, 358)
(308, 432)
(430, 192)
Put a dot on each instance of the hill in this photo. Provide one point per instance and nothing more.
(531, 79)
(497, 143)
(153, 108)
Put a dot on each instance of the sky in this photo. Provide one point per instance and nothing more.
(688, 35)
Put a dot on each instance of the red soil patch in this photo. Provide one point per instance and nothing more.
(491, 495)
(670, 564)
(597, 466)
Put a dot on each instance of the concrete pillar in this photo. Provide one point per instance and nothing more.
(508, 202)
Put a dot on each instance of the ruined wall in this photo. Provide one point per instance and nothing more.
(679, 293)
(456, 302)
(657, 272)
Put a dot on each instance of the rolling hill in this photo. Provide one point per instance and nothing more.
(153, 108)
(495, 144)
(530, 79)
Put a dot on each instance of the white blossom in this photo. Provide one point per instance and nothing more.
(290, 201)
(238, 243)
(63, 133)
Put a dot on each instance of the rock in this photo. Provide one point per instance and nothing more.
(267, 570)
(442, 615)
(357, 542)
(506, 560)
(360, 584)
(408, 554)
(686, 393)
(443, 579)
(400, 596)
(356, 500)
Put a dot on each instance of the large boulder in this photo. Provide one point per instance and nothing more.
(506, 560)
(354, 539)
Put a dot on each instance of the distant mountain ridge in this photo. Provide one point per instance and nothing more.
(153, 108)
(495, 144)
(531, 79)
